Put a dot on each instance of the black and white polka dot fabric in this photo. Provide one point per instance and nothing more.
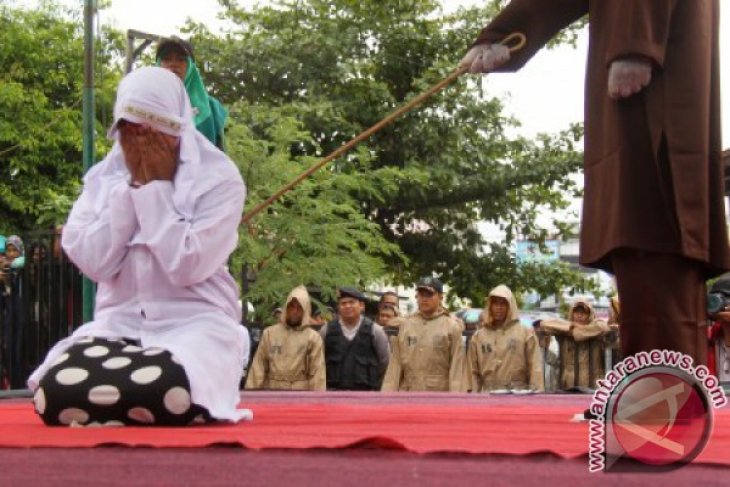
(101, 381)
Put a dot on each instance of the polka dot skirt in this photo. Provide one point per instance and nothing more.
(101, 381)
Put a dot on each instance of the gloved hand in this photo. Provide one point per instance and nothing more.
(483, 58)
(627, 77)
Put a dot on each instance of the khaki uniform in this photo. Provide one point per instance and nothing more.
(582, 348)
(428, 355)
(506, 356)
(289, 358)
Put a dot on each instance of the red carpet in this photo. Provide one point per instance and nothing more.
(420, 423)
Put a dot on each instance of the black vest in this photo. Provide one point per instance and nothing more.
(351, 365)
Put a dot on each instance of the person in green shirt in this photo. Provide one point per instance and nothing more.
(176, 55)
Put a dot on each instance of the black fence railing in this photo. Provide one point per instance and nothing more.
(40, 303)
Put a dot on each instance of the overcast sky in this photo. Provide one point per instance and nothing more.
(546, 95)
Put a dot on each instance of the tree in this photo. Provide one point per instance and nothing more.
(342, 66)
(41, 52)
(317, 235)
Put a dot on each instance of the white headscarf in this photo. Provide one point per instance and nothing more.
(157, 97)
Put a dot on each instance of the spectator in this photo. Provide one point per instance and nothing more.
(4, 266)
(388, 318)
(154, 226)
(355, 349)
(428, 354)
(389, 298)
(318, 320)
(503, 355)
(719, 332)
(290, 355)
(582, 341)
(176, 55)
(15, 252)
(14, 314)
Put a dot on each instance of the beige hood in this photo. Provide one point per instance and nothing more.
(578, 302)
(302, 296)
(593, 329)
(500, 291)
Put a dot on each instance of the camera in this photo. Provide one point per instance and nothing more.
(717, 302)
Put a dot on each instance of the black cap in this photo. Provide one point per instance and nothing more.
(170, 43)
(350, 292)
(431, 283)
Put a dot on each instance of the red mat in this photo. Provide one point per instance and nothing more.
(416, 423)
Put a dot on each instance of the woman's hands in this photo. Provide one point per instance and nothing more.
(150, 155)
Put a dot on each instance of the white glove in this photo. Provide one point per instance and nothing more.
(628, 76)
(483, 58)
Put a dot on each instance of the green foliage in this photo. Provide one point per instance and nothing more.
(41, 52)
(317, 235)
(341, 66)
(301, 78)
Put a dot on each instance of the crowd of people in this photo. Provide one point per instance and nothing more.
(12, 260)
(428, 350)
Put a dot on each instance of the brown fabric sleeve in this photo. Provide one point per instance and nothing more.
(555, 327)
(641, 29)
(259, 370)
(317, 377)
(391, 381)
(539, 20)
(472, 363)
(594, 329)
(457, 369)
(534, 364)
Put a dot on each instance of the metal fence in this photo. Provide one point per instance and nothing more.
(40, 303)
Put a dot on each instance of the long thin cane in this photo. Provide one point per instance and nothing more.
(517, 38)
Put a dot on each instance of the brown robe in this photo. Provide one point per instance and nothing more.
(653, 174)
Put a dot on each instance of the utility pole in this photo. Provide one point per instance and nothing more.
(88, 130)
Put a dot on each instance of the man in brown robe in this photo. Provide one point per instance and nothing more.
(653, 209)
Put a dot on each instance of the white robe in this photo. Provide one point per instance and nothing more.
(159, 256)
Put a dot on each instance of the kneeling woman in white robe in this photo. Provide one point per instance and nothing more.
(154, 227)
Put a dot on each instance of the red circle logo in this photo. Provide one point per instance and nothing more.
(661, 418)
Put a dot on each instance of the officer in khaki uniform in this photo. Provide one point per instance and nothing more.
(290, 355)
(428, 354)
(583, 340)
(504, 355)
